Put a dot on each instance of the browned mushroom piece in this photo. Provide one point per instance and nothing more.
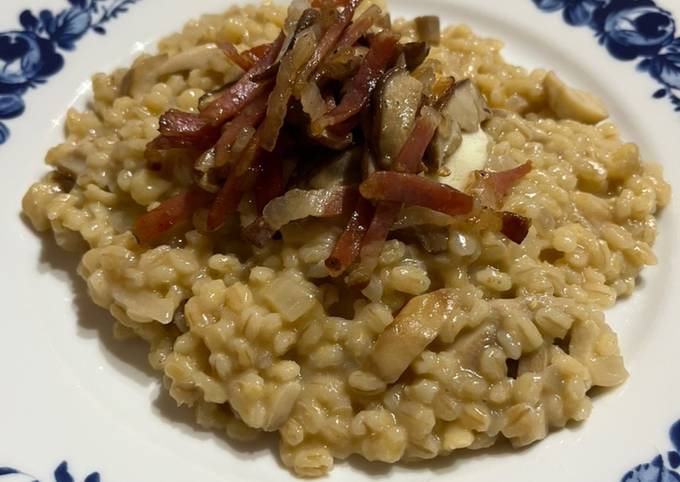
(463, 109)
(468, 105)
(398, 99)
(414, 53)
(413, 329)
(428, 30)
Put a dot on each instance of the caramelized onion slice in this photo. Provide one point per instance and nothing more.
(277, 106)
(299, 204)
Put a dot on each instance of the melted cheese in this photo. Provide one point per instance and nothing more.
(472, 155)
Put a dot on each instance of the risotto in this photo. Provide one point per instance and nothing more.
(468, 325)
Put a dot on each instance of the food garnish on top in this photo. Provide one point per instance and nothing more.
(337, 117)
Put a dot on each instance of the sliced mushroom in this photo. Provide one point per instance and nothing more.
(398, 100)
(147, 71)
(463, 110)
(414, 53)
(414, 328)
(428, 30)
(569, 103)
(467, 105)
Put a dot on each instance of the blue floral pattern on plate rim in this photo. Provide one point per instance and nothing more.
(31, 54)
(660, 469)
(61, 474)
(629, 29)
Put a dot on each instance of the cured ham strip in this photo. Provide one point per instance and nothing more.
(244, 91)
(176, 210)
(328, 41)
(360, 26)
(240, 180)
(348, 246)
(492, 187)
(381, 53)
(416, 190)
(251, 116)
(411, 154)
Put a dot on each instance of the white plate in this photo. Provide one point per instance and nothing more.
(69, 392)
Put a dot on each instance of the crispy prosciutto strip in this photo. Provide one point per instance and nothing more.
(183, 130)
(244, 91)
(241, 179)
(328, 41)
(360, 26)
(492, 187)
(412, 152)
(348, 246)
(171, 212)
(253, 55)
(251, 116)
(416, 190)
(408, 160)
(371, 247)
(232, 54)
(374, 65)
